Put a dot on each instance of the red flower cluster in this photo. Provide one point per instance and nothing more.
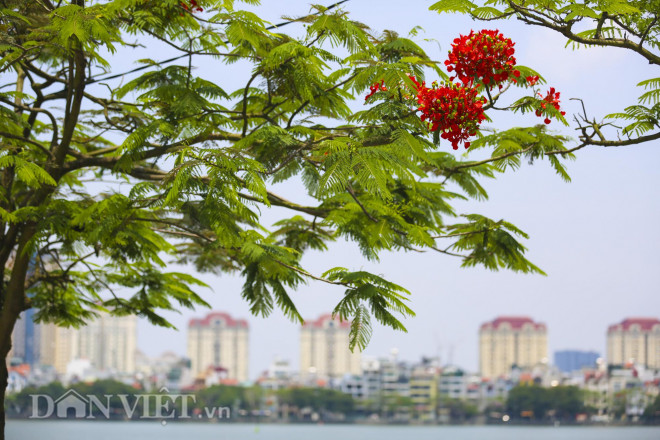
(531, 80)
(376, 87)
(455, 110)
(551, 98)
(485, 56)
(194, 7)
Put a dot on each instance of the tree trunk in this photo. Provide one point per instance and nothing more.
(13, 303)
(4, 376)
(5, 347)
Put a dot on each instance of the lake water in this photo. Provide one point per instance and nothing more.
(92, 430)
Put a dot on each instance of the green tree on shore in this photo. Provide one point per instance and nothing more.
(652, 412)
(320, 400)
(19, 405)
(538, 403)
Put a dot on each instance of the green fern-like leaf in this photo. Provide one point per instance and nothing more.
(460, 6)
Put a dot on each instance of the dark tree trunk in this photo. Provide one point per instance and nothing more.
(5, 347)
(13, 303)
(4, 376)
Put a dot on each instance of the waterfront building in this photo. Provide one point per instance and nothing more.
(509, 341)
(424, 391)
(324, 351)
(453, 383)
(278, 376)
(57, 346)
(372, 378)
(353, 385)
(168, 370)
(395, 376)
(108, 342)
(219, 341)
(25, 340)
(634, 340)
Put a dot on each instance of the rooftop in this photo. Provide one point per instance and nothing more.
(514, 322)
(644, 324)
(323, 320)
(228, 321)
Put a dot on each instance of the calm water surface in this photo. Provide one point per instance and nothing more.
(88, 430)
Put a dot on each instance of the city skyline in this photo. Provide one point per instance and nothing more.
(60, 346)
(370, 354)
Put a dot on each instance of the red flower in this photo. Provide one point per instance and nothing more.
(194, 6)
(531, 80)
(485, 57)
(376, 87)
(552, 98)
(453, 109)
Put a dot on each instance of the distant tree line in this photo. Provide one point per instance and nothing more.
(20, 405)
(525, 403)
(242, 402)
(532, 402)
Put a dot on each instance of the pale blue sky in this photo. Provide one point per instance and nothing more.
(597, 237)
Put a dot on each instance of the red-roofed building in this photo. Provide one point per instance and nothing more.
(512, 322)
(325, 321)
(634, 340)
(324, 351)
(509, 341)
(219, 341)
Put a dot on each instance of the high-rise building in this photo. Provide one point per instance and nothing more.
(219, 341)
(108, 342)
(25, 335)
(508, 341)
(634, 340)
(57, 346)
(574, 360)
(25, 339)
(324, 351)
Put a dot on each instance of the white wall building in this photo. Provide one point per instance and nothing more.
(108, 342)
(218, 340)
(324, 351)
(511, 340)
(634, 340)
